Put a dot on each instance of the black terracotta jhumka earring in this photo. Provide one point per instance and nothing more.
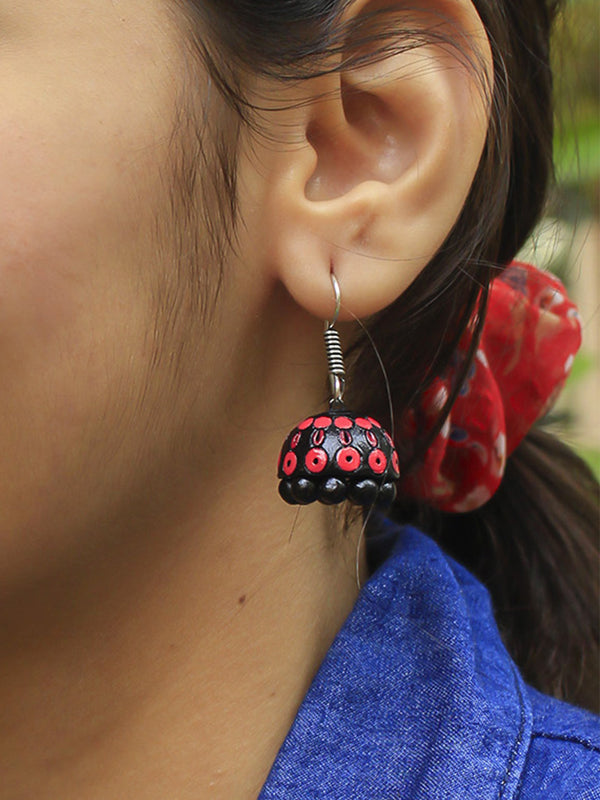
(337, 455)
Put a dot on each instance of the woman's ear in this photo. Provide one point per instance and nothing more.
(368, 172)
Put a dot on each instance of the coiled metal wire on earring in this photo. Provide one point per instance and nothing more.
(335, 354)
(338, 455)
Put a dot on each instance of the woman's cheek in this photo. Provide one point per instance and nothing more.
(73, 315)
(85, 130)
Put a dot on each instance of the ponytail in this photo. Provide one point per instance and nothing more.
(535, 546)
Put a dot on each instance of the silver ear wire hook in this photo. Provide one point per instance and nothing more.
(338, 302)
(335, 355)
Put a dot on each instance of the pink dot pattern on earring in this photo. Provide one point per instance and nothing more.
(316, 460)
(348, 459)
(378, 462)
(289, 463)
(363, 423)
(306, 423)
(344, 423)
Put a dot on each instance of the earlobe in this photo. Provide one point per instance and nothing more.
(390, 151)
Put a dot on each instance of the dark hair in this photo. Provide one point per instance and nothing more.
(534, 543)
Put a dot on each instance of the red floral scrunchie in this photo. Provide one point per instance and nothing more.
(529, 341)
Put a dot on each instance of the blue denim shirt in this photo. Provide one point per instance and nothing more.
(418, 699)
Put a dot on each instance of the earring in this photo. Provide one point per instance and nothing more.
(338, 455)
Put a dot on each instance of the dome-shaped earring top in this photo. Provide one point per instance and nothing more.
(338, 455)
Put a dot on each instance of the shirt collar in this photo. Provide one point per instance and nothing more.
(417, 697)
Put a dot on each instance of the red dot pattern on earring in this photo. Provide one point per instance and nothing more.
(344, 423)
(363, 423)
(316, 460)
(289, 463)
(348, 459)
(378, 462)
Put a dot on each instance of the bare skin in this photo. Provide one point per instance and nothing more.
(162, 611)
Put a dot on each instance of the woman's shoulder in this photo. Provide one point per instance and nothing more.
(556, 752)
(418, 698)
(563, 760)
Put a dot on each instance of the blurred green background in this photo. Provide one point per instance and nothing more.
(576, 62)
(568, 240)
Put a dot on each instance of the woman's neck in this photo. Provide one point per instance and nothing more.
(171, 662)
